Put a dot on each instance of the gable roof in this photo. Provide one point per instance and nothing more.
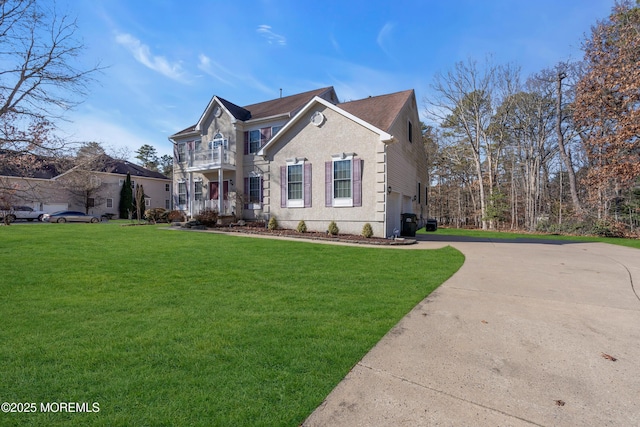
(286, 106)
(122, 167)
(238, 112)
(384, 135)
(381, 111)
(107, 164)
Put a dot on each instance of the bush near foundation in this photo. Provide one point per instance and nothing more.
(179, 216)
(333, 228)
(273, 223)
(207, 217)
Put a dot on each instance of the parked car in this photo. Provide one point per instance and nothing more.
(70, 216)
(21, 212)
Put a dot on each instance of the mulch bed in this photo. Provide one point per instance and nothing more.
(311, 235)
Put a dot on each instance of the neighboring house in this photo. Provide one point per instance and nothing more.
(306, 157)
(96, 189)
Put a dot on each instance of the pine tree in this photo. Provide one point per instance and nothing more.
(126, 198)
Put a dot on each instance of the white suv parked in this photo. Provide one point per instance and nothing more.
(21, 212)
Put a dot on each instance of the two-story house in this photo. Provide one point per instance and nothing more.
(306, 157)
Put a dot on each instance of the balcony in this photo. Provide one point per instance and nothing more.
(210, 159)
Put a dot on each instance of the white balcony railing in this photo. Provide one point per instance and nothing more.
(211, 158)
(199, 205)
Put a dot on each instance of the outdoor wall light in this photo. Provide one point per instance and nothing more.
(231, 184)
(389, 190)
(415, 198)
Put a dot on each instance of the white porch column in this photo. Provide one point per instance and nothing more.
(220, 191)
(190, 195)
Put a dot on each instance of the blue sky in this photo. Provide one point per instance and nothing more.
(165, 59)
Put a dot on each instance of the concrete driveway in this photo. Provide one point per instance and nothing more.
(526, 333)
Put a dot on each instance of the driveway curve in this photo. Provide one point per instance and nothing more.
(527, 332)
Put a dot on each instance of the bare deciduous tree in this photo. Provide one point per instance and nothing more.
(40, 79)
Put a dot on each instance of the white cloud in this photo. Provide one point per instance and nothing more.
(272, 38)
(142, 54)
(213, 69)
(335, 44)
(384, 37)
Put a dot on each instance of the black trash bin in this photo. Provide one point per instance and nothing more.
(431, 225)
(409, 225)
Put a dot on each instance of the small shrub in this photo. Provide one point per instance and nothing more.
(174, 216)
(367, 231)
(302, 227)
(155, 215)
(207, 217)
(273, 223)
(333, 228)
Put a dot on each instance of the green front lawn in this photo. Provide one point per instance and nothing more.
(164, 327)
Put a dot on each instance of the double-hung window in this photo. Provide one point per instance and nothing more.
(181, 152)
(182, 193)
(255, 189)
(254, 141)
(197, 190)
(295, 185)
(343, 181)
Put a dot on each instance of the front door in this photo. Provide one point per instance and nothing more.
(214, 193)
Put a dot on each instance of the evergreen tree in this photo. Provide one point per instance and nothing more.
(126, 198)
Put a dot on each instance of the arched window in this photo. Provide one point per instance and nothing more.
(218, 139)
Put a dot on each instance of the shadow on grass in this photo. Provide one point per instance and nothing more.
(476, 239)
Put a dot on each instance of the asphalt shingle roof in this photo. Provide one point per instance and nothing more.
(380, 110)
(122, 167)
(286, 105)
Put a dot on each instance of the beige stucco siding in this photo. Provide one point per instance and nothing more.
(210, 126)
(316, 145)
(406, 167)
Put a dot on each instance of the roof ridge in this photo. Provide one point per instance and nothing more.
(408, 92)
(319, 90)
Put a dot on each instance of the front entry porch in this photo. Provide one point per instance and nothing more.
(214, 191)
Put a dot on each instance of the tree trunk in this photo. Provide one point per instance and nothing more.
(566, 159)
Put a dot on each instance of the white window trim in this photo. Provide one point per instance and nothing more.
(219, 139)
(182, 181)
(255, 205)
(181, 149)
(341, 202)
(259, 138)
(295, 203)
(195, 193)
